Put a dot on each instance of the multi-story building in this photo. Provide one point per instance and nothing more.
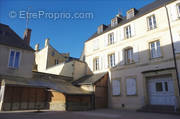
(49, 60)
(141, 54)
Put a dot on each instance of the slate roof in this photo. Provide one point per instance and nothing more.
(10, 38)
(57, 83)
(142, 11)
(89, 79)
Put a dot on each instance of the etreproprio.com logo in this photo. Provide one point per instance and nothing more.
(22, 14)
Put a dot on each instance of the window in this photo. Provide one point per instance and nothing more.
(131, 86)
(14, 59)
(178, 9)
(111, 60)
(56, 61)
(128, 32)
(114, 22)
(155, 49)
(129, 55)
(151, 22)
(52, 53)
(111, 38)
(159, 87)
(116, 87)
(96, 64)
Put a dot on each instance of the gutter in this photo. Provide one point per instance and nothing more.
(173, 48)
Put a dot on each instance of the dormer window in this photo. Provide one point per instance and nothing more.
(115, 21)
(131, 13)
(14, 59)
(101, 28)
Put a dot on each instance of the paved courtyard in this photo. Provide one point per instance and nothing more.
(98, 114)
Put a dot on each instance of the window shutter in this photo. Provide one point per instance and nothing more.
(176, 40)
(131, 86)
(121, 34)
(106, 40)
(105, 62)
(133, 29)
(173, 12)
(116, 58)
(121, 57)
(116, 87)
(136, 53)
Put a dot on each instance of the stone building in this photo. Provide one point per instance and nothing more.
(24, 89)
(141, 53)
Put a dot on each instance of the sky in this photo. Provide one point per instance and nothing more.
(67, 23)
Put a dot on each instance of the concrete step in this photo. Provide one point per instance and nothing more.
(159, 109)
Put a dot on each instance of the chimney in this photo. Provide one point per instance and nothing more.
(27, 36)
(37, 47)
(46, 42)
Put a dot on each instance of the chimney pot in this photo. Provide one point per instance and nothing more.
(27, 36)
(46, 42)
(37, 47)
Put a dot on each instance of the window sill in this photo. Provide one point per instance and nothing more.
(116, 95)
(156, 58)
(132, 95)
(12, 68)
(152, 29)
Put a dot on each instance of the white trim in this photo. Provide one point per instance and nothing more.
(15, 51)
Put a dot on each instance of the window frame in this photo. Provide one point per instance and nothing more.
(14, 58)
(113, 63)
(128, 32)
(126, 55)
(119, 93)
(156, 55)
(135, 94)
(153, 21)
(178, 9)
(110, 42)
(96, 65)
(56, 61)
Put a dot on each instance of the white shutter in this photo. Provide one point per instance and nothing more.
(121, 33)
(114, 36)
(176, 40)
(116, 87)
(105, 40)
(173, 12)
(131, 86)
(121, 58)
(136, 53)
(133, 29)
(101, 62)
(105, 62)
(116, 58)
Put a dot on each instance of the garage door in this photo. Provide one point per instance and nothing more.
(161, 91)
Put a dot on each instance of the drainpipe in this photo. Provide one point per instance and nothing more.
(173, 48)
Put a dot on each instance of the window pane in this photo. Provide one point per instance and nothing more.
(16, 63)
(166, 86)
(11, 59)
(159, 87)
(131, 86)
(115, 87)
(154, 21)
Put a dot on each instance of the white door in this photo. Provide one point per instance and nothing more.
(161, 91)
